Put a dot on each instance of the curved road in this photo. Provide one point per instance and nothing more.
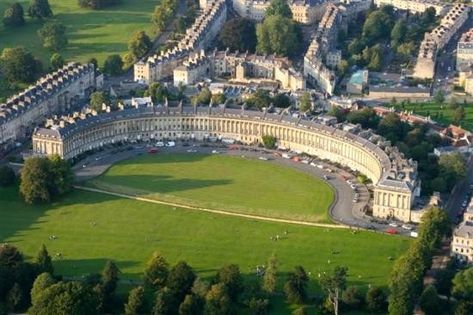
(342, 211)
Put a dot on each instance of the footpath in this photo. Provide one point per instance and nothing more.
(215, 211)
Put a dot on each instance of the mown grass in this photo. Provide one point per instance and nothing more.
(222, 182)
(91, 33)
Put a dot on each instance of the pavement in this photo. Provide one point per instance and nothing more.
(342, 211)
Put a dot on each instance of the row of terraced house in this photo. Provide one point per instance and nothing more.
(54, 93)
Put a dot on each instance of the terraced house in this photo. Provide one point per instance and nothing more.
(394, 177)
(53, 94)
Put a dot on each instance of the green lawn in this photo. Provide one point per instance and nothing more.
(129, 231)
(223, 182)
(441, 113)
(91, 33)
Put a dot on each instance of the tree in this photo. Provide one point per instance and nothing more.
(439, 97)
(334, 284)
(203, 97)
(53, 36)
(19, 66)
(430, 301)
(42, 282)
(463, 285)
(166, 303)
(238, 34)
(230, 277)
(277, 35)
(217, 301)
(40, 9)
(398, 32)
(305, 102)
(139, 44)
(156, 272)
(157, 91)
(435, 224)
(377, 26)
(191, 305)
(452, 168)
(459, 115)
(56, 61)
(219, 98)
(35, 181)
(269, 141)
(66, 298)
(94, 62)
(259, 99)
(258, 306)
(14, 15)
(43, 261)
(180, 279)
(10, 256)
(113, 65)
(97, 99)
(61, 175)
(281, 100)
(16, 300)
(343, 67)
(295, 287)
(376, 300)
(270, 274)
(7, 176)
(136, 304)
(366, 117)
(352, 298)
(109, 281)
(279, 7)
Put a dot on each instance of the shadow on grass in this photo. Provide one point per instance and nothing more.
(159, 184)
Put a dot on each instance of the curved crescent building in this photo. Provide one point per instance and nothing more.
(394, 178)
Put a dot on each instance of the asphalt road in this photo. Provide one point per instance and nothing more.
(343, 211)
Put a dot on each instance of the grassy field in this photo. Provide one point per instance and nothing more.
(442, 113)
(91, 228)
(222, 182)
(91, 33)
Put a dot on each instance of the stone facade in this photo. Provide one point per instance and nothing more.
(465, 51)
(303, 11)
(394, 178)
(240, 67)
(199, 36)
(414, 6)
(462, 243)
(321, 45)
(52, 94)
(437, 39)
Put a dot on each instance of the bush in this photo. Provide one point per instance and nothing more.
(269, 141)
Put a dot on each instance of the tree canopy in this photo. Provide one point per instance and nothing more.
(139, 44)
(278, 35)
(53, 36)
(14, 15)
(113, 65)
(238, 34)
(40, 9)
(45, 178)
(279, 7)
(19, 66)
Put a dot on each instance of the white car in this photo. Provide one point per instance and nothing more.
(393, 224)
(406, 227)
(171, 144)
(160, 144)
(325, 177)
(262, 158)
(215, 152)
